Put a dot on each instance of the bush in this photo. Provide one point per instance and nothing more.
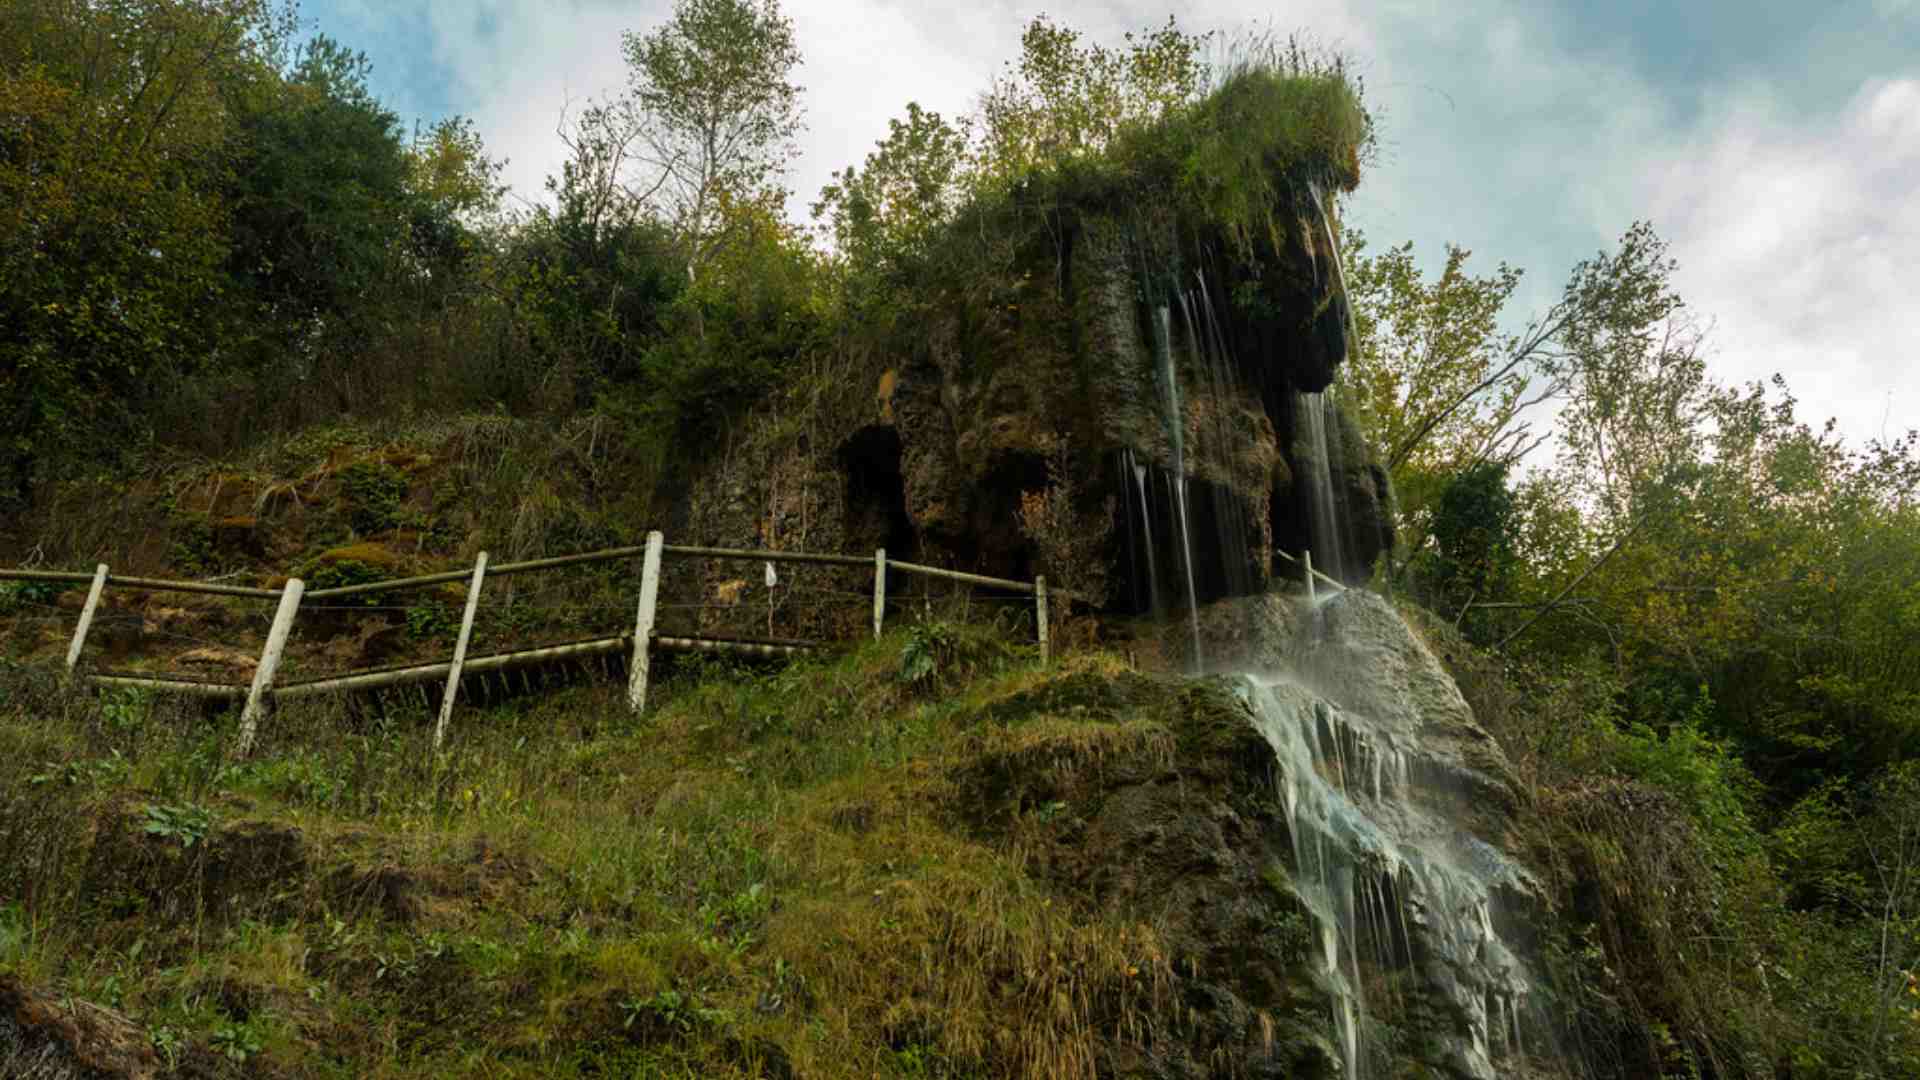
(939, 654)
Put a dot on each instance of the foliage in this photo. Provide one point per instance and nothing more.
(1472, 530)
(938, 654)
(1071, 542)
(372, 491)
(713, 116)
(1063, 101)
(187, 823)
(1431, 378)
(884, 216)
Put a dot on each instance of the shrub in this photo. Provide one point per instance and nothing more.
(372, 491)
(1072, 544)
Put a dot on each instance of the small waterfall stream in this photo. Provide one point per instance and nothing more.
(1146, 524)
(1176, 433)
(1413, 912)
(1312, 413)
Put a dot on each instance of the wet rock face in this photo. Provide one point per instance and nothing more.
(1174, 359)
(1181, 834)
(1325, 852)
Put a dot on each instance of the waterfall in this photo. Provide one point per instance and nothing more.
(1339, 264)
(1146, 524)
(1176, 433)
(1403, 896)
(1223, 436)
(1314, 418)
(1312, 415)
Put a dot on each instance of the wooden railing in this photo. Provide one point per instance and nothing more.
(640, 644)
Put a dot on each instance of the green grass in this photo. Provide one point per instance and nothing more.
(772, 870)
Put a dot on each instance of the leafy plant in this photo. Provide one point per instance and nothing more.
(373, 491)
(939, 652)
(97, 773)
(18, 596)
(927, 643)
(167, 1041)
(236, 1041)
(188, 823)
(680, 1013)
(430, 619)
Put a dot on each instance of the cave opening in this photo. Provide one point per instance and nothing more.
(876, 499)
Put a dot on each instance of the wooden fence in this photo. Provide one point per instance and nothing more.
(640, 644)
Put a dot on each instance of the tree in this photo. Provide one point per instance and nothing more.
(1063, 100)
(1473, 529)
(113, 130)
(321, 205)
(885, 214)
(1440, 387)
(711, 113)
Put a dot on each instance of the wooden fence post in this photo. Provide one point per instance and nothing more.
(643, 622)
(269, 662)
(86, 617)
(460, 650)
(879, 589)
(1040, 610)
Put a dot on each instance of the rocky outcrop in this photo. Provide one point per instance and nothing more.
(1213, 823)
(1151, 340)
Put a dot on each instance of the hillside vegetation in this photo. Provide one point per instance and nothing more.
(252, 325)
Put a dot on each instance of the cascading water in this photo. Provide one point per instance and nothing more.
(1224, 438)
(1406, 899)
(1314, 417)
(1176, 433)
(1339, 264)
(1146, 524)
(1312, 414)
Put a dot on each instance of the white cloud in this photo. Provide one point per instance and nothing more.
(1801, 240)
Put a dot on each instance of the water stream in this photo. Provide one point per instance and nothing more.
(1176, 434)
(1313, 415)
(1146, 524)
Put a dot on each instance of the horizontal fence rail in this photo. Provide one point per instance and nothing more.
(265, 689)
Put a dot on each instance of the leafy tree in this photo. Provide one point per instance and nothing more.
(320, 204)
(712, 115)
(1064, 101)
(737, 329)
(1440, 387)
(1475, 560)
(454, 191)
(885, 214)
(450, 169)
(112, 136)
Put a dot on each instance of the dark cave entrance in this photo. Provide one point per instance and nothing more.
(876, 500)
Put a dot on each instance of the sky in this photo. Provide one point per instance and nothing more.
(1775, 144)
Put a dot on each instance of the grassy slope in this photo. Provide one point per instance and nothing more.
(769, 873)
